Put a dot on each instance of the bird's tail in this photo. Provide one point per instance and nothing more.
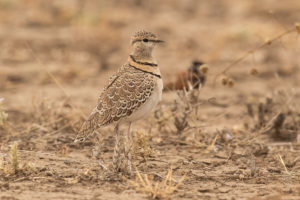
(88, 128)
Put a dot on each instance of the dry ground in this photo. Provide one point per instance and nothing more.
(240, 142)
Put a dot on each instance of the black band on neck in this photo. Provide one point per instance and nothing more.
(157, 75)
(142, 63)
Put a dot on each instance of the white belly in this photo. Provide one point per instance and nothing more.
(148, 106)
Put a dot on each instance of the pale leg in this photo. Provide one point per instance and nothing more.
(117, 156)
(129, 143)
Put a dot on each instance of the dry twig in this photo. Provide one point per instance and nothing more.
(296, 29)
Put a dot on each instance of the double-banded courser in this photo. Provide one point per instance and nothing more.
(132, 92)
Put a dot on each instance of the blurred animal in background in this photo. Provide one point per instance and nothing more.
(188, 79)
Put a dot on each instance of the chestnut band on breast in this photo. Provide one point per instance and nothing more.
(157, 75)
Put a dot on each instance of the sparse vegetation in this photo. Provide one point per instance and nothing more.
(3, 114)
(156, 189)
(240, 141)
(14, 161)
(141, 146)
(11, 166)
(51, 116)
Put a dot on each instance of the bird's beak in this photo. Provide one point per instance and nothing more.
(159, 41)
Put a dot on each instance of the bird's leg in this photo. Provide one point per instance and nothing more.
(117, 150)
(97, 152)
(130, 135)
(129, 143)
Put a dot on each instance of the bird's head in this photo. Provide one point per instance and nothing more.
(143, 42)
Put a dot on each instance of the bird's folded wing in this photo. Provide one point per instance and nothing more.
(123, 95)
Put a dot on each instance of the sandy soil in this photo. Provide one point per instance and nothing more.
(56, 56)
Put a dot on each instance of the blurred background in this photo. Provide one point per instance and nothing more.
(83, 42)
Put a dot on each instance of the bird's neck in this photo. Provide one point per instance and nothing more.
(145, 63)
(141, 54)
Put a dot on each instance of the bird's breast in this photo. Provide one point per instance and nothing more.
(149, 105)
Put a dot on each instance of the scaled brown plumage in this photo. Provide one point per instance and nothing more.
(125, 93)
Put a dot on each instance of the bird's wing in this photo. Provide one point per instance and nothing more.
(123, 95)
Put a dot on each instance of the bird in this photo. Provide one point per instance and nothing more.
(194, 75)
(131, 93)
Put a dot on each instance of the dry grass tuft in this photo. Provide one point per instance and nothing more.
(185, 109)
(156, 189)
(141, 145)
(3, 114)
(276, 116)
(12, 166)
(14, 158)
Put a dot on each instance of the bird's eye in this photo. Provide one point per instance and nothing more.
(145, 40)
